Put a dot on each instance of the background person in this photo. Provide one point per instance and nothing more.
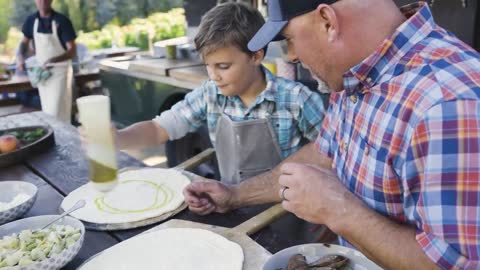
(54, 41)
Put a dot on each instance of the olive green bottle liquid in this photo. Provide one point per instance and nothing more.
(100, 173)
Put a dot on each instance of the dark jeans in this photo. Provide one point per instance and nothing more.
(30, 99)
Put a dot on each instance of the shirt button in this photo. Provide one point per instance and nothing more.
(367, 151)
(345, 146)
(353, 99)
(369, 80)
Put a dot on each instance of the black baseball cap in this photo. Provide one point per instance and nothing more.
(279, 13)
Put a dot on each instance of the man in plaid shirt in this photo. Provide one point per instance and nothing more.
(402, 134)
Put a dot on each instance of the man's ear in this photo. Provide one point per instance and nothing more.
(258, 56)
(329, 21)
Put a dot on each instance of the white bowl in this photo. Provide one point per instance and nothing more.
(312, 252)
(9, 190)
(57, 261)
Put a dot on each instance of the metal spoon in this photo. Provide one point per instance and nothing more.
(77, 206)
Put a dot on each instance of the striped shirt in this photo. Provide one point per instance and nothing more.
(404, 137)
(295, 112)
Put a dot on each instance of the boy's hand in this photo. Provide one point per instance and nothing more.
(206, 196)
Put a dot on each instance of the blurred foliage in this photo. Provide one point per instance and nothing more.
(13, 38)
(20, 11)
(103, 19)
(5, 10)
(141, 32)
(88, 15)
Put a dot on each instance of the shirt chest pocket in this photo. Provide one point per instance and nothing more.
(283, 127)
(372, 173)
(364, 158)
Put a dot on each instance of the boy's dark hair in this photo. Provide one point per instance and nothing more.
(228, 24)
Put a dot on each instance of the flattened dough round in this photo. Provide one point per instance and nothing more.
(140, 194)
(174, 248)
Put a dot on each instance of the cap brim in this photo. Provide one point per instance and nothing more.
(269, 32)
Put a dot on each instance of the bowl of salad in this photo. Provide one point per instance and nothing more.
(16, 198)
(18, 144)
(24, 245)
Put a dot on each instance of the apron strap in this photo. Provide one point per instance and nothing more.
(54, 29)
(53, 25)
(224, 105)
(35, 26)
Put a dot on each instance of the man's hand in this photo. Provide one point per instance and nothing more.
(47, 64)
(20, 65)
(313, 193)
(69, 54)
(206, 196)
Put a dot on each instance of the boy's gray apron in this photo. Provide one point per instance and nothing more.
(248, 148)
(245, 149)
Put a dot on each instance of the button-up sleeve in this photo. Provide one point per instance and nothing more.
(443, 183)
(187, 115)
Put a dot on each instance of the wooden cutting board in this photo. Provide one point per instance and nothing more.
(196, 74)
(255, 255)
(161, 66)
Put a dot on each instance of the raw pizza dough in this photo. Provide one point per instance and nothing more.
(140, 194)
(168, 249)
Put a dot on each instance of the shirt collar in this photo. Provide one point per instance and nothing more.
(270, 91)
(51, 15)
(419, 24)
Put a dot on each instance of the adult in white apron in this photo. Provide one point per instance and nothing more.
(245, 149)
(56, 91)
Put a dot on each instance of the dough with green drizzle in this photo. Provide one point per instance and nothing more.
(140, 194)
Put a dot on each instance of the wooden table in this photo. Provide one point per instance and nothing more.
(113, 52)
(21, 83)
(133, 68)
(64, 168)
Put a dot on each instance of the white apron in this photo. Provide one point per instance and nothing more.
(56, 91)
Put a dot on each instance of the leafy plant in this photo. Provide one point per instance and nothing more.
(28, 136)
(139, 33)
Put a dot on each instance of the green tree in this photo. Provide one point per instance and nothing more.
(5, 11)
(20, 12)
(89, 15)
(107, 10)
(74, 8)
(60, 6)
(126, 10)
(89, 11)
(151, 6)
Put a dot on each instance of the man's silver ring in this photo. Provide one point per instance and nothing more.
(283, 193)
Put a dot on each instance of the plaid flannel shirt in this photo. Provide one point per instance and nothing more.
(404, 137)
(295, 112)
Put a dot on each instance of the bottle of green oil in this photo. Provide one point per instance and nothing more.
(94, 112)
(100, 173)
